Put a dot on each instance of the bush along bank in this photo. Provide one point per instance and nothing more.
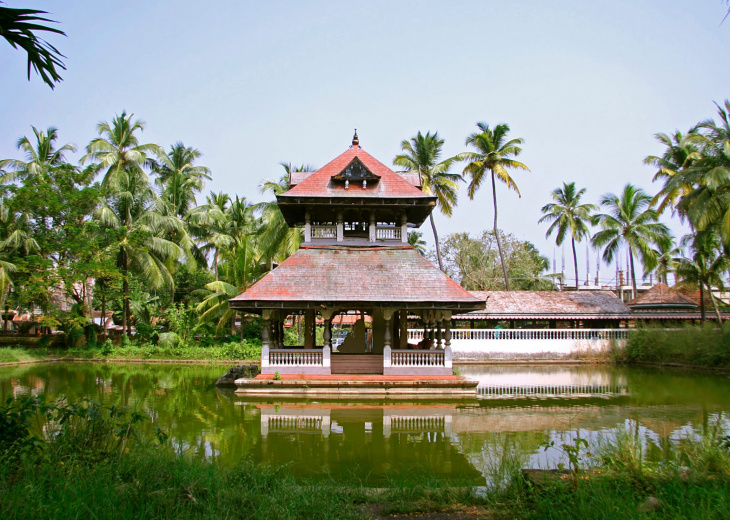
(700, 345)
(106, 462)
(234, 350)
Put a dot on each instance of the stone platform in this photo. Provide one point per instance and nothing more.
(358, 386)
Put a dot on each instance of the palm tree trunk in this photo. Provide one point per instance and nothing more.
(575, 262)
(714, 305)
(496, 235)
(633, 272)
(702, 303)
(103, 317)
(126, 325)
(436, 240)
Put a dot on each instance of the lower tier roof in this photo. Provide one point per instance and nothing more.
(318, 277)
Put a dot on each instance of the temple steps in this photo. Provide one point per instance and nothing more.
(357, 364)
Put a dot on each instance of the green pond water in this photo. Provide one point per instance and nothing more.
(518, 412)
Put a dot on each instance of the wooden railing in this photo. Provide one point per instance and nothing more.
(295, 358)
(531, 334)
(388, 233)
(417, 358)
(324, 231)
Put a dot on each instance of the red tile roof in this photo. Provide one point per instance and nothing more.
(549, 304)
(662, 296)
(319, 184)
(337, 276)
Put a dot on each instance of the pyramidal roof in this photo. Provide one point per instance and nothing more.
(327, 182)
(337, 276)
(661, 295)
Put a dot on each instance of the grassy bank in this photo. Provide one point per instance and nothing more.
(233, 350)
(700, 345)
(97, 464)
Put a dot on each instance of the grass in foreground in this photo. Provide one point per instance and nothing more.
(96, 464)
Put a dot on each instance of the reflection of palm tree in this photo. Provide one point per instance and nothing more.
(493, 156)
(422, 154)
(568, 215)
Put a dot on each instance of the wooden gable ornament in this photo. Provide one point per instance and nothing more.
(356, 172)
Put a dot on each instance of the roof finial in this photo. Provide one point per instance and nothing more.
(355, 140)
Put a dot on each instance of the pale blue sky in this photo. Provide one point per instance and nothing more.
(251, 84)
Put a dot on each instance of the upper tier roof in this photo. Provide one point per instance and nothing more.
(324, 192)
(320, 183)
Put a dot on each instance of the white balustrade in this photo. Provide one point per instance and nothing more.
(295, 358)
(388, 233)
(319, 231)
(529, 334)
(417, 358)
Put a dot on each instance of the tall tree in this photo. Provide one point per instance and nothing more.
(568, 216)
(705, 267)
(277, 241)
(680, 152)
(415, 238)
(179, 178)
(40, 156)
(421, 155)
(707, 205)
(129, 209)
(494, 156)
(632, 223)
(20, 28)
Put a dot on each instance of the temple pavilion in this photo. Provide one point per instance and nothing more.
(356, 213)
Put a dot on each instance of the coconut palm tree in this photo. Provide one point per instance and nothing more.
(568, 216)
(630, 222)
(19, 27)
(39, 156)
(679, 154)
(415, 239)
(705, 267)
(706, 204)
(494, 156)
(130, 208)
(277, 241)
(118, 152)
(179, 179)
(421, 155)
(663, 261)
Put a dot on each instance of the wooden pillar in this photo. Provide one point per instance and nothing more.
(403, 228)
(307, 226)
(396, 328)
(372, 228)
(340, 227)
(439, 321)
(281, 334)
(387, 317)
(265, 340)
(309, 329)
(327, 331)
(404, 328)
(448, 355)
